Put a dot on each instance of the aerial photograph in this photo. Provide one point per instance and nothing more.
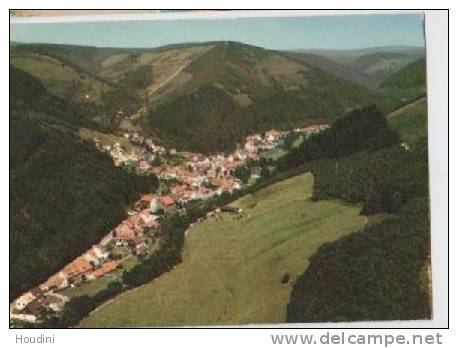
(254, 170)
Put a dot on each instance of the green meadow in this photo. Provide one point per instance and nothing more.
(233, 264)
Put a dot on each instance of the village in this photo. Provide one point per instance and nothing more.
(184, 176)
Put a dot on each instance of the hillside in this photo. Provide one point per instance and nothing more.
(383, 271)
(235, 89)
(345, 56)
(338, 69)
(65, 195)
(369, 67)
(410, 76)
(379, 273)
(204, 97)
(233, 266)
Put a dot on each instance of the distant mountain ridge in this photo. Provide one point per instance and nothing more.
(246, 89)
(368, 67)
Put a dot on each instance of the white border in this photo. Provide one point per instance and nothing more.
(437, 50)
(168, 16)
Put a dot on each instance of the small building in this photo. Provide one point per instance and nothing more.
(124, 235)
(34, 308)
(106, 268)
(167, 201)
(56, 281)
(148, 201)
(55, 301)
(24, 300)
(77, 268)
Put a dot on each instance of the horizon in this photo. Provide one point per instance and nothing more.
(340, 32)
(216, 42)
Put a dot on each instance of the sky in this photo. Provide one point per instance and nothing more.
(285, 33)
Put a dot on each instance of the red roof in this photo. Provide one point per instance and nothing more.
(124, 235)
(79, 265)
(106, 268)
(167, 200)
(129, 224)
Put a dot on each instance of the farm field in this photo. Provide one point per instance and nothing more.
(233, 264)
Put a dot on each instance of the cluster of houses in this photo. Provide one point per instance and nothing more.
(36, 305)
(307, 132)
(196, 177)
(200, 176)
(257, 143)
(97, 262)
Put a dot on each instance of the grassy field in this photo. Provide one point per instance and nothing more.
(104, 138)
(233, 265)
(411, 123)
(94, 286)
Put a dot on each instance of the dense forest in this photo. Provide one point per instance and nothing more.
(361, 129)
(238, 90)
(64, 194)
(210, 120)
(203, 121)
(379, 273)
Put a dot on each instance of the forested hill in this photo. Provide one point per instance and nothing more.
(64, 194)
(410, 76)
(235, 89)
(380, 272)
(203, 96)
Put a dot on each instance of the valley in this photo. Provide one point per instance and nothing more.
(223, 171)
(233, 263)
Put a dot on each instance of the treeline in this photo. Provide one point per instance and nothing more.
(382, 180)
(172, 231)
(379, 273)
(361, 129)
